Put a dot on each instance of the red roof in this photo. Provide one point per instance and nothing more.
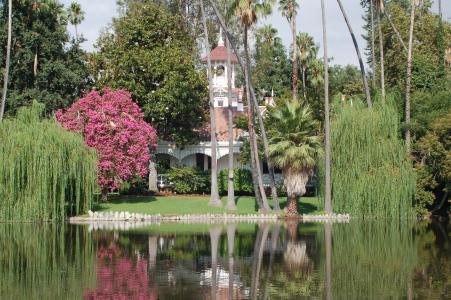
(220, 53)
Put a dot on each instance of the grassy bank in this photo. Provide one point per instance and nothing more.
(179, 205)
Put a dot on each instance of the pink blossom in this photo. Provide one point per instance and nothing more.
(113, 124)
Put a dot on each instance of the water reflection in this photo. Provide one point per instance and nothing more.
(375, 260)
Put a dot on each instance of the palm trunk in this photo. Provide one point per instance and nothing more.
(398, 35)
(8, 59)
(304, 69)
(356, 46)
(328, 190)
(252, 135)
(409, 74)
(295, 60)
(231, 228)
(292, 208)
(76, 32)
(373, 54)
(230, 184)
(152, 177)
(381, 50)
(214, 199)
(260, 119)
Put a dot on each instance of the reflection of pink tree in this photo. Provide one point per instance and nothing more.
(118, 277)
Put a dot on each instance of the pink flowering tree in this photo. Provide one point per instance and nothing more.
(113, 124)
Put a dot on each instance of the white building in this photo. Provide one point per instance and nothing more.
(199, 155)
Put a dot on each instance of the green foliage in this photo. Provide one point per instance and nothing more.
(149, 52)
(46, 261)
(434, 163)
(242, 182)
(46, 173)
(371, 173)
(136, 186)
(188, 180)
(373, 258)
(45, 64)
(293, 136)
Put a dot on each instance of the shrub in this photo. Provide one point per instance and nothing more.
(242, 182)
(188, 180)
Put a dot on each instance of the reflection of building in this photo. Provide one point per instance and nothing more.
(199, 155)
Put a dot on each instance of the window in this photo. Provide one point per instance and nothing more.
(220, 103)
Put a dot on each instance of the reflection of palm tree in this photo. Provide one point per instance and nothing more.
(231, 245)
(295, 255)
(215, 233)
(260, 241)
(328, 242)
(274, 240)
(153, 245)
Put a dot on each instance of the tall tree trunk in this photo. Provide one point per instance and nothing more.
(252, 135)
(8, 59)
(328, 242)
(215, 233)
(230, 183)
(409, 74)
(214, 199)
(295, 59)
(381, 50)
(260, 119)
(153, 176)
(231, 228)
(328, 190)
(35, 63)
(76, 32)
(373, 54)
(356, 46)
(398, 35)
(304, 88)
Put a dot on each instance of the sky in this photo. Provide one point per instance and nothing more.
(98, 14)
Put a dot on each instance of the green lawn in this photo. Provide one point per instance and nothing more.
(178, 205)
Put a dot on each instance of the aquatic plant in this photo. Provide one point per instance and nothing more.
(46, 172)
(372, 176)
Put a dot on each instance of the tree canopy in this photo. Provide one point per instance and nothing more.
(149, 52)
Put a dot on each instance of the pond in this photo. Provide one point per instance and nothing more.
(287, 260)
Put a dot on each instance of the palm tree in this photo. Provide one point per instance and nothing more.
(76, 16)
(230, 184)
(380, 10)
(356, 46)
(253, 98)
(215, 234)
(248, 12)
(214, 198)
(409, 72)
(305, 44)
(328, 190)
(8, 60)
(289, 10)
(267, 34)
(294, 146)
(231, 228)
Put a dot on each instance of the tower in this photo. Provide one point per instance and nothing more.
(220, 71)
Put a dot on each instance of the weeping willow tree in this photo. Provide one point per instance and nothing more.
(46, 173)
(46, 261)
(371, 174)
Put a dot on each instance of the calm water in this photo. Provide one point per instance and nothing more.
(360, 260)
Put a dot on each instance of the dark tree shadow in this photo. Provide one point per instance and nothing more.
(118, 199)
